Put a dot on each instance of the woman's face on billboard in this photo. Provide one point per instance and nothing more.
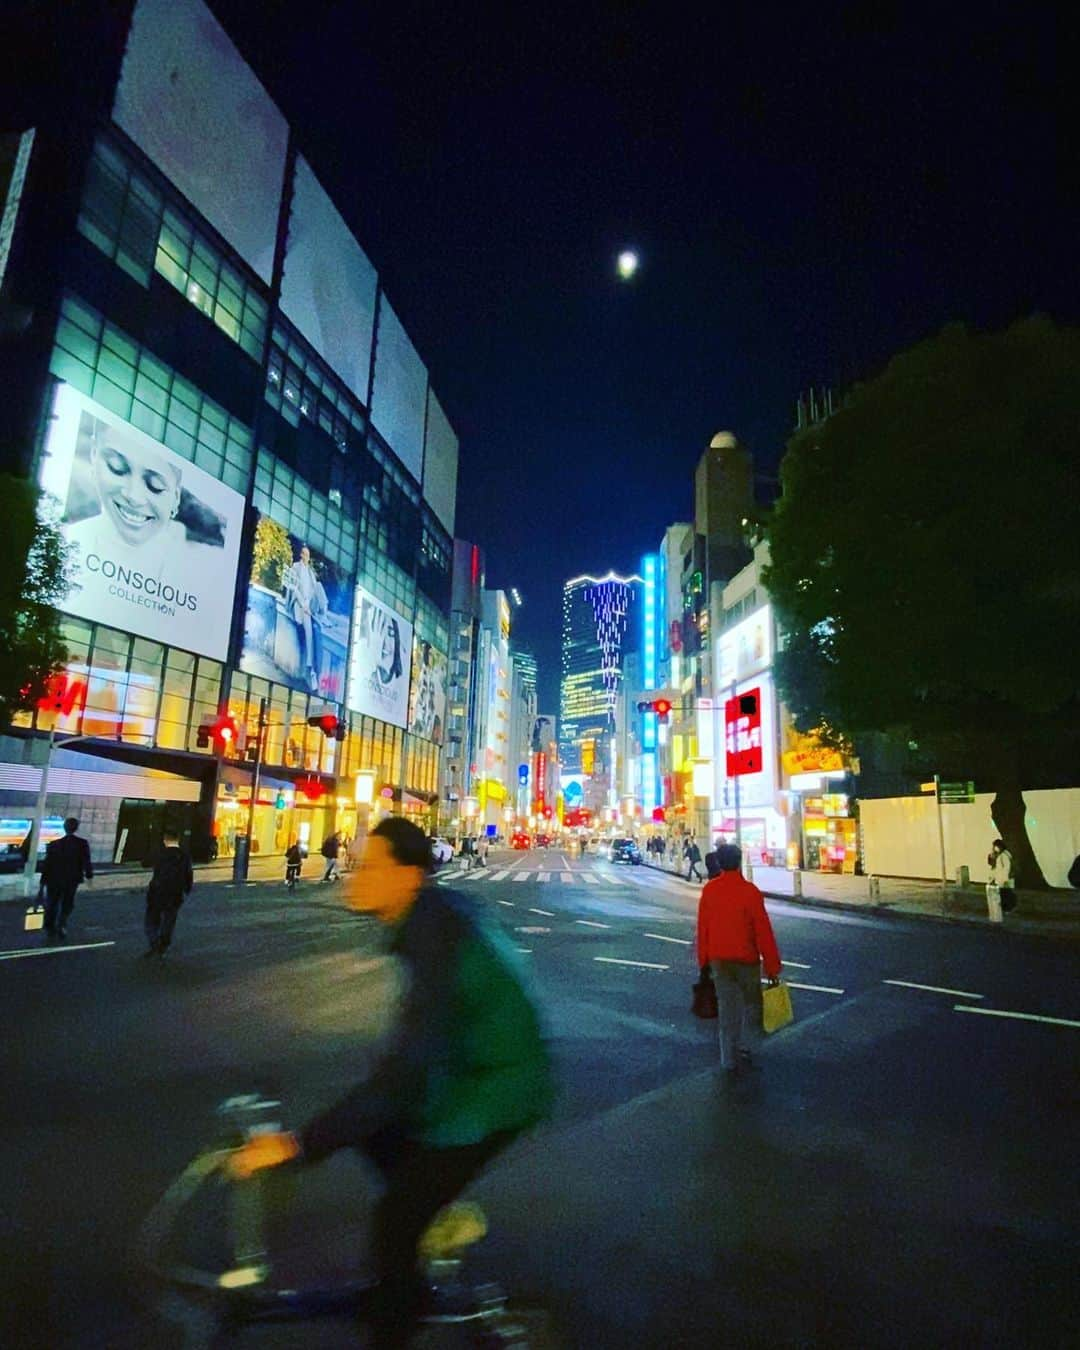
(388, 651)
(139, 486)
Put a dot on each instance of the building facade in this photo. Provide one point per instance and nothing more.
(244, 451)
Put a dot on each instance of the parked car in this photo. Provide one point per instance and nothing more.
(441, 849)
(519, 840)
(624, 850)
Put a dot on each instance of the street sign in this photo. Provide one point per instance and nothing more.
(957, 793)
(928, 787)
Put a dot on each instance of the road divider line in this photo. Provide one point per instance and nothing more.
(508, 903)
(796, 965)
(815, 988)
(524, 949)
(1017, 1016)
(645, 965)
(662, 937)
(933, 988)
(547, 913)
(53, 951)
(591, 923)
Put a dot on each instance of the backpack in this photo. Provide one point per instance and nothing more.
(330, 847)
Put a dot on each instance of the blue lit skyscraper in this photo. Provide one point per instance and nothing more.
(599, 618)
(653, 630)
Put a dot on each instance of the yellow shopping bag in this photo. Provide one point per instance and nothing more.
(776, 1006)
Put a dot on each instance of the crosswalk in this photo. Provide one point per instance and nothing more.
(548, 876)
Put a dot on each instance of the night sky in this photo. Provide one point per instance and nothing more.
(809, 192)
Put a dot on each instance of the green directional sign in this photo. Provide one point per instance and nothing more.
(956, 793)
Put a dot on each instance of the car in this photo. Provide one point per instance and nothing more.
(543, 841)
(441, 849)
(519, 840)
(624, 850)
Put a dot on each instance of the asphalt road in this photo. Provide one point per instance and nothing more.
(901, 1170)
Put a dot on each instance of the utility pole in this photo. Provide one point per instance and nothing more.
(940, 830)
(243, 851)
(30, 869)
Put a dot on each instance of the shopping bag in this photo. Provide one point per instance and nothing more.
(34, 919)
(704, 1001)
(776, 1007)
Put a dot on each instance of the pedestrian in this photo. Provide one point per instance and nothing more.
(465, 1071)
(169, 886)
(1002, 874)
(712, 862)
(468, 852)
(294, 860)
(67, 864)
(693, 856)
(329, 850)
(482, 846)
(661, 848)
(735, 939)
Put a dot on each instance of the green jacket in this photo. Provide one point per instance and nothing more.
(467, 1058)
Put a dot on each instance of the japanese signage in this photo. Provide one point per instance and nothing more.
(742, 733)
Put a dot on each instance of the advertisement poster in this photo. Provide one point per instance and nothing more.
(427, 697)
(155, 539)
(379, 664)
(742, 720)
(297, 627)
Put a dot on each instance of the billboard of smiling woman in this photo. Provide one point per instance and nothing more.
(156, 540)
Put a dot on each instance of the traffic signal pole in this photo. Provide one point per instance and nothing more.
(243, 853)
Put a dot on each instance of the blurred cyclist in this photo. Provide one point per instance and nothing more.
(465, 1071)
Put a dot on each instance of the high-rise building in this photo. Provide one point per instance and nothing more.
(256, 477)
(599, 620)
(522, 723)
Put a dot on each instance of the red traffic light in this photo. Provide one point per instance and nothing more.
(224, 730)
(331, 726)
(661, 707)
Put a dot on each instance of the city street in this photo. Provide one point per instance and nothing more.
(900, 1169)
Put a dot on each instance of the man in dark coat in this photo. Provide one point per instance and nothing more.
(67, 863)
(170, 884)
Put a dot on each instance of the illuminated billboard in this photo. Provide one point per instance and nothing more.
(328, 287)
(188, 99)
(399, 391)
(296, 630)
(427, 697)
(745, 649)
(379, 662)
(155, 540)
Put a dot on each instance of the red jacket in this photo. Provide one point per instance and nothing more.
(733, 925)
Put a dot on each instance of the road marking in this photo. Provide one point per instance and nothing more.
(1019, 1017)
(547, 913)
(662, 937)
(645, 965)
(524, 949)
(498, 876)
(508, 903)
(590, 923)
(52, 951)
(567, 878)
(816, 988)
(933, 988)
(592, 880)
(797, 965)
(615, 881)
(543, 876)
(521, 876)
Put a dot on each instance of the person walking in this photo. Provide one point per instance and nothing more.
(1002, 874)
(67, 864)
(482, 846)
(693, 857)
(465, 1071)
(735, 940)
(169, 886)
(294, 860)
(331, 847)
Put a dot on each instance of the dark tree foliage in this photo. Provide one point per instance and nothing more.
(33, 579)
(926, 565)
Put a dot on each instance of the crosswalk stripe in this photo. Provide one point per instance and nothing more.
(591, 879)
(567, 878)
(521, 876)
(498, 876)
(543, 876)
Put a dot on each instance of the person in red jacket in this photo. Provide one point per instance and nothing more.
(735, 939)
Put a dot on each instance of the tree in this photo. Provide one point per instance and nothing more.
(33, 580)
(925, 565)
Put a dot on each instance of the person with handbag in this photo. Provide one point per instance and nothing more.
(170, 884)
(735, 940)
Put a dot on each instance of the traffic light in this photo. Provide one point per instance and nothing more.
(331, 726)
(660, 706)
(222, 731)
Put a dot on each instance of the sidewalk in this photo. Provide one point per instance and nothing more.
(110, 878)
(1049, 913)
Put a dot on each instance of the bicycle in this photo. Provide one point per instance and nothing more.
(244, 1292)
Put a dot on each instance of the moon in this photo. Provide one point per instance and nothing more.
(626, 264)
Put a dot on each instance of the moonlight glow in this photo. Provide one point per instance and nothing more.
(627, 264)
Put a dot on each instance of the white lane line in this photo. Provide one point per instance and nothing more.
(521, 876)
(817, 988)
(508, 903)
(543, 876)
(796, 965)
(662, 937)
(53, 951)
(933, 988)
(1019, 1017)
(547, 913)
(645, 965)
(591, 923)
(567, 878)
(524, 949)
